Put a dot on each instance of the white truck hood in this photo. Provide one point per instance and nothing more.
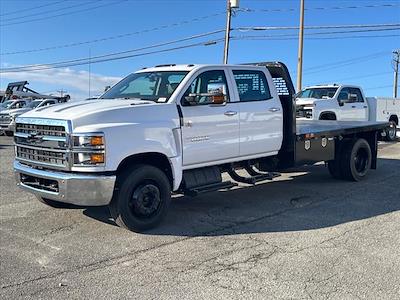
(76, 110)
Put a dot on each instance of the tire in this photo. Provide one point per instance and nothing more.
(334, 169)
(54, 204)
(355, 160)
(9, 133)
(391, 131)
(142, 198)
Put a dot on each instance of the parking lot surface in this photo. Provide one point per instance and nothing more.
(302, 236)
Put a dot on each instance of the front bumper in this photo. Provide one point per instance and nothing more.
(79, 189)
(7, 127)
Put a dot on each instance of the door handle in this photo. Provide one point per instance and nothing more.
(274, 109)
(353, 106)
(365, 106)
(230, 113)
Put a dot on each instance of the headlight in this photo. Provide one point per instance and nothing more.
(88, 141)
(88, 149)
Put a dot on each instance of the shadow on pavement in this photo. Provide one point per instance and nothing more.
(302, 202)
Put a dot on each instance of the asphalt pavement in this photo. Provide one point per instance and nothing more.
(302, 236)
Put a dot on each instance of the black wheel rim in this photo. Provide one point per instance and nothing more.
(361, 160)
(392, 131)
(145, 200)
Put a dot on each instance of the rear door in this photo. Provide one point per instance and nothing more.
(210, 132)
(260, 112)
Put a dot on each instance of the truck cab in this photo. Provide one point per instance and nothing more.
(332, 102)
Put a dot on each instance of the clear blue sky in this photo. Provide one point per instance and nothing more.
(362, 61)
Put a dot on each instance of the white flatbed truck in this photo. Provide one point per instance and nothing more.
(176, 129)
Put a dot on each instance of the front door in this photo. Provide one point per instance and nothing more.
(210, 132)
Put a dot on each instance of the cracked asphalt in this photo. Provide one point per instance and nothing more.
(302, 236)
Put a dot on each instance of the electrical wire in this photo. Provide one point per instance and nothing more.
(256, 28)
(185, 22)
(111, 56)
(387, 5)
(63, 14)
(48, 11)
(30, 8)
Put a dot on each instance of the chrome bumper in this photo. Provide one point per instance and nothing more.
(78, 189)
(7, 127)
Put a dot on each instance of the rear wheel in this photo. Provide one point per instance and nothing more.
(391, 131)
(355, 160)
(142, 198)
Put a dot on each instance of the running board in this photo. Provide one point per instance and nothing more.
(254, 178)
(209, 188)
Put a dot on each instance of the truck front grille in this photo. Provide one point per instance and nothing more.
(42, 142)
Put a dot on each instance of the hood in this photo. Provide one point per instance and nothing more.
(76, 110)
(305, 101)
(16, 111)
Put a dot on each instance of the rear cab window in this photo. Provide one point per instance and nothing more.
(252, 85)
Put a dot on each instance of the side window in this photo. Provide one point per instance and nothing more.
(344, 95)
(356, 95)
(202, 84)
(251, 85)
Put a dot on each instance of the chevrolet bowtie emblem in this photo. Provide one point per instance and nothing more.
(33, 137)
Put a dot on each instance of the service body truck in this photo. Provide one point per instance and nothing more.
(177, 128)
(348, 103)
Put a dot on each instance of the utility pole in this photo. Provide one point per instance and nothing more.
(230, 4)
(300, 53)
(396, 60)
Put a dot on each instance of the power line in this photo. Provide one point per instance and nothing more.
(30, 8)
(47, 11)
(279, 36)
(91, 59)
(256, 28)
(39, 68)
(63, 14)
(273, 38)
(354, 77)
(185, 22)
(388, 5)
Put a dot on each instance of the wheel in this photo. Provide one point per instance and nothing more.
(355, 160)
(54, 204)
(9, 133)
(142, 198)
(391, 131)
(334, 169)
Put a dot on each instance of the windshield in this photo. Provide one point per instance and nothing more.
(6, 104)
(318, 93)
(155, 86)
(34, 104)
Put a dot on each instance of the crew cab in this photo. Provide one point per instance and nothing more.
(176, 129)
(347, 103)
(18, 107)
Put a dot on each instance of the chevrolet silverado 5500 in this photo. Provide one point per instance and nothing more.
(176, 128)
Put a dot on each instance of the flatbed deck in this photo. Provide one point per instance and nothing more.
(307, 128)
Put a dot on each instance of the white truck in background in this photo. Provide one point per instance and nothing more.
(348, 103)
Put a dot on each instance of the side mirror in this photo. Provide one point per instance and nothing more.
(215, 95)
(341, 102)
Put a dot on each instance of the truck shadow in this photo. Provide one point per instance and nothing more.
(304, 199)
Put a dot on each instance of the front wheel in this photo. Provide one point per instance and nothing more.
(142, 198)
(9, 133)
(391, 131)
